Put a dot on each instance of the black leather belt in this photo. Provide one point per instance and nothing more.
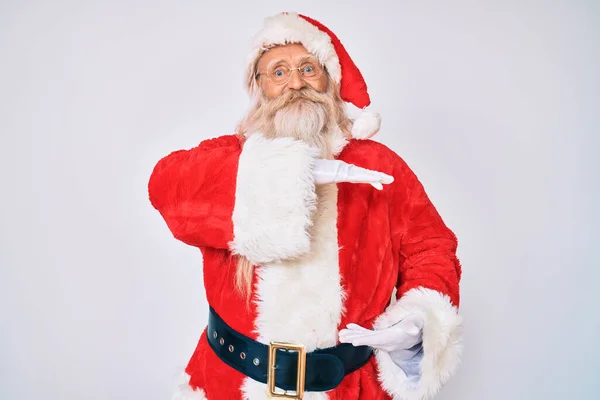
(322, 370)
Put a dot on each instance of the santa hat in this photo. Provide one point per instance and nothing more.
(290, 27)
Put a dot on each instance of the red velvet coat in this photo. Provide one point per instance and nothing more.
(325, 256)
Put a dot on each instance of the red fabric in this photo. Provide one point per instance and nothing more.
(206, 370)
(389, 238)
(353, 87)
(194, 190)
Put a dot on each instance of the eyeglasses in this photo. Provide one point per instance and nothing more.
(279, 71)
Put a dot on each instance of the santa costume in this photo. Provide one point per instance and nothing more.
(325, 256)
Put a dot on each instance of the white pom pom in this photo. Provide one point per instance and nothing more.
(366, 125)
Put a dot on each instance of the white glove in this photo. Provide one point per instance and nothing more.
(333, 171)
(399, 338)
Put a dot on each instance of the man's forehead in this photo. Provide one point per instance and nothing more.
(289, 52)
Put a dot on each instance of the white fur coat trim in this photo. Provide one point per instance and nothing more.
(442, 344)
(275, 199)
(310, 286)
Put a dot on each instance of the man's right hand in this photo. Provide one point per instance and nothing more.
(334, 171)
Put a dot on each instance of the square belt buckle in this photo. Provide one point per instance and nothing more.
(273, 347)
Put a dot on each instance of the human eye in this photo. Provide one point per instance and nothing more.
(310, 69)
(279, 72)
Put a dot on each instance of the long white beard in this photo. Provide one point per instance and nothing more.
(304, 120)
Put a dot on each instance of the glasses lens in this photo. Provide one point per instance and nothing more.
(278, 72)
(311, 69)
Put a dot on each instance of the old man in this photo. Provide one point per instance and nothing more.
(328, 271)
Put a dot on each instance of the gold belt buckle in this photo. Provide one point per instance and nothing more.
(273, 347)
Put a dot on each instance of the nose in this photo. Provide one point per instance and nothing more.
(296, 82)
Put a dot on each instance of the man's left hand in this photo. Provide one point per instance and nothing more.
(401, 336)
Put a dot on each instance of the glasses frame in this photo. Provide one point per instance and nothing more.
(289, 74)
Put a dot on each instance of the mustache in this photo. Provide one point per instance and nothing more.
(291, 97)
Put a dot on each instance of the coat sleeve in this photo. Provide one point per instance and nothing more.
(255, 198)
(194, 191)
(428, 284)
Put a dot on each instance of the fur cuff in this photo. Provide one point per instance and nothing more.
(275, 199)
(442, 344)
(185, 392)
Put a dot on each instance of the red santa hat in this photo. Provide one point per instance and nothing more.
(291, 27)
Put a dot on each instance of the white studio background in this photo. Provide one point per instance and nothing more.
(495, 105)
